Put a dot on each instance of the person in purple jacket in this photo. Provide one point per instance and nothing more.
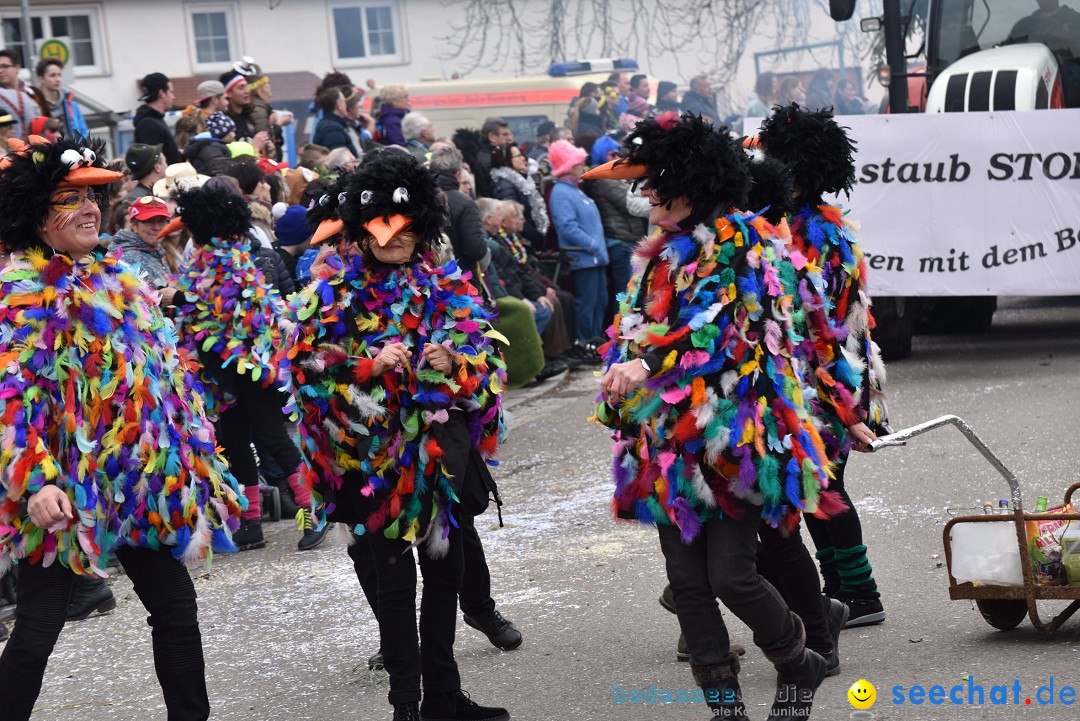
(395, 104)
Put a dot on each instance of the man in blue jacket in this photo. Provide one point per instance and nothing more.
(581, 236)
(333, 131)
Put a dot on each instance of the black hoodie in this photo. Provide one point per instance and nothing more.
(150, 128)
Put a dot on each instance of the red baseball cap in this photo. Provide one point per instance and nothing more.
(268, 166)
(147, 208)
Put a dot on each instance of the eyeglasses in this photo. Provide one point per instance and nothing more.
(68, 201)
(7, 67)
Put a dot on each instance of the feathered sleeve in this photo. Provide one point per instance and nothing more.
(337, 396)
(836, 312)
(26, 464)
(478, 378)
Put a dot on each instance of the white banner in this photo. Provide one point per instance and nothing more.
(968, 203)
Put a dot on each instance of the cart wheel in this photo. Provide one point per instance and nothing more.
(1002, 614)
(275, 504)
(271, 502)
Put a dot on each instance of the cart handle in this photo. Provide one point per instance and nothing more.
(900, 438)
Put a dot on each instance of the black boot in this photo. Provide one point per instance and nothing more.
(309, 537)
(89, 595)
(799, 673)
(836, 617)
(289, 507)
(376, 661)
(457, 706)
(720, 684)
(499, 631)
(249, 535)
(407, 711)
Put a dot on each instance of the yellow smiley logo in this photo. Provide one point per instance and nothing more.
(862, 694)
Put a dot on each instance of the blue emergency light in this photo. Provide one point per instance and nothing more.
(578, 67)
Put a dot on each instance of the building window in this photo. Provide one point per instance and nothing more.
(367, 31)
(211, 27)
(78, 27)
(211, 37)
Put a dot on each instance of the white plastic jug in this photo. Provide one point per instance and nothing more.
(986, 554)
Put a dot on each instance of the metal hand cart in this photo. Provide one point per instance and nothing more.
(1003, 607)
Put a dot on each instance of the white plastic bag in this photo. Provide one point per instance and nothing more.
(986, 554)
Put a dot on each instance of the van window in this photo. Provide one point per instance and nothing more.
(524, 126)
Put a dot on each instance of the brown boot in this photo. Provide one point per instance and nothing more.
(667, 599)
(682, 652)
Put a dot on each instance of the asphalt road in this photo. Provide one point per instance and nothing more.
(287, 633)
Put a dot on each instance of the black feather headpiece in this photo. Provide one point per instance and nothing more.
(326, 204)
(210, 213)
(29, 177)
(468, 143)
(814, 146)
(771, 187)
(392, 182)
(687, 157)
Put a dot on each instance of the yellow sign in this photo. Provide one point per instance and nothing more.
(54, 49)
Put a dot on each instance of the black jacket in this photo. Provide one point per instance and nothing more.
(515, 278)
(289, 260)
(150, 128)
(610, 199)
(331, 133)
(465, 230)
(273, 268)
(245, 125)
(202, 151)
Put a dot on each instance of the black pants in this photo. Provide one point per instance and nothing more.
(475, 593)
(393, 598)
(787, 565)
(721, 563)
(257, 413)
(166, 591)
(843, 530)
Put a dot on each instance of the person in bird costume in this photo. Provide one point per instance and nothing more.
(400, 382)
(819, 155)
(228, 315)
(105, 446)
(713, 431)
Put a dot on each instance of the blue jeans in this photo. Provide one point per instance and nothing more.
(619, 254)
(590, 301)
(541, 315)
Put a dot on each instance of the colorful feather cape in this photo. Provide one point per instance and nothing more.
(834, 262)
(96, 399)
(371, 443)
(723, 424)
(231, 314)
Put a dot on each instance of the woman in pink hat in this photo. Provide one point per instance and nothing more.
(581, 236)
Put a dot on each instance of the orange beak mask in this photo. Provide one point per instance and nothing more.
(618, 169)
(383, 229)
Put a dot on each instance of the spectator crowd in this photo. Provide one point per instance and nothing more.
(549, 250)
